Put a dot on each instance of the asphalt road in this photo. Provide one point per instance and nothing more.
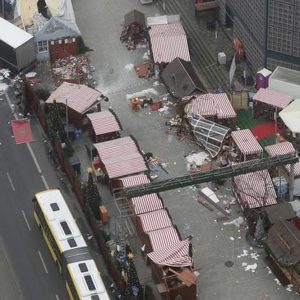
(29, 272)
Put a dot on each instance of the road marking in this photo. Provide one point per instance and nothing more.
(56, 296)
(27, 144)
(25, 218)
(45, 182)
(10, 181)
(43, 262)
(34, 158)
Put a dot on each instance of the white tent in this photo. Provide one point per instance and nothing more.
(290, 115)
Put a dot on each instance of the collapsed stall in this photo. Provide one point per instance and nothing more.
(134, 29)
(216, 107)
(207, 133)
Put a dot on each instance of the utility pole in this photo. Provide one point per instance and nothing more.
(67, 119)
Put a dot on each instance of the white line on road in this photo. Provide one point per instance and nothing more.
(43, 262)
(25, 218)
(56, 296)
(45, 182)
(34, 158)
(10, 181)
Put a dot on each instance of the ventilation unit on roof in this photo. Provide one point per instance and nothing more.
(65, 227)
(54, 206)
(83, 268)
(89, 282)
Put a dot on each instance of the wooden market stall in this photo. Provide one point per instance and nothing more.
(268, 103)
(103, 126)
(290, 173)
(119, 158)
(168, 39)
(137, 205)
(254, 191)
(75, 100)
(246, 146)
(282, 246)
(152, 221)
(172, 270)
(215, 107)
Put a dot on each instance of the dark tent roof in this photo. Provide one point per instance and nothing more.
(280, 212)
(135, 16)
(283, 241)
(181, 79)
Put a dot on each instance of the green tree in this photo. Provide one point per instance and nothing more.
(56, 127)
(92, 196)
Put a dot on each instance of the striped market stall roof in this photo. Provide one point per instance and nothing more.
(155, 220)
(284, 148)
(273, 98)
(208, 105)
(76, 96)
(134, 180)
(176, 255)
(168, 41)
(104, 122)
(163, 237)
(121, 157)
(255, 189)
(146, 203)
(246, 142)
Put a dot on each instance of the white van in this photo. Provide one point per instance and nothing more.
(146, 1)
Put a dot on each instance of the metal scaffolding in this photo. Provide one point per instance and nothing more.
(226, 172)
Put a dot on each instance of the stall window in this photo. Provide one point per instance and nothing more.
(42, 46)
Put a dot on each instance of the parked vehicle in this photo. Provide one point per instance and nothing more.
(16, 46)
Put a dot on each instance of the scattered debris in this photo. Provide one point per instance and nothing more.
(251, 268)
(238, 222)
(129, 67)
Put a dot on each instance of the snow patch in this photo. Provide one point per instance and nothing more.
(144, 93)
(129, 67)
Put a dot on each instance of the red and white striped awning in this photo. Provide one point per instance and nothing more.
(121, 157)
(146, 203)
(168, 41)
(163, 237)
(134, 180)
(176, 255)
(273, 98)
(104, 122)
(256, 189)
(281, 149)
(224, 106)
(155, 220)
(76, 96)
(208, 105)
(246, 142)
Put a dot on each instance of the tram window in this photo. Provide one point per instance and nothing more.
(65, 227)
(89, 282)
(72, 243)
(83, 268)
(54, 206)
(95, 297)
